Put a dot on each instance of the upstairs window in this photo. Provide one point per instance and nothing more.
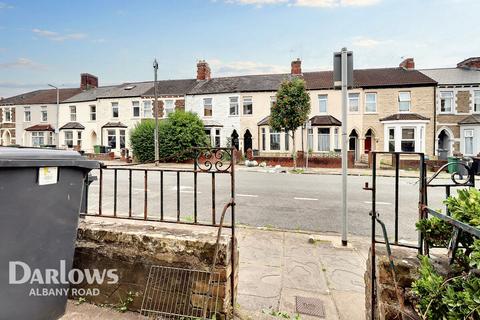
(73, 113)
(114, 109)
(136, 109)
(27, 114)
(93, 113)
(371, 102)
(353, 102)
(322, 103)
(147, 109)
(476, 101)
(7, 115)
(446, 101)
(169, 107)
(273, 101)
(44, 114)
(404, 101)
(207, 107)
(234, 106)
(247, 105)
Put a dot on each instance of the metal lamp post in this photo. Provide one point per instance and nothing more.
(57, 135)
(157, 110)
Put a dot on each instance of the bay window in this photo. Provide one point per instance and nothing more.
(310, 139)
(112, 138)
(408, 140)
(274, 139)
(287, 141)
(391, 140)
(122, 139)
(323, 139)
(264, 139)
(38, 139)
(69, 139)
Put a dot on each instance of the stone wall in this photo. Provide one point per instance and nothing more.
(132, 248)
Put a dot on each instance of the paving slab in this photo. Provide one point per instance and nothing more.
(288, 303)
(86, 311)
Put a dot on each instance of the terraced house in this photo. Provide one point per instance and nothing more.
(458, 108)
(391, 109)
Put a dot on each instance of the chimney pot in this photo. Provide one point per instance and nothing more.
(296, 67)
(203, 70)
(408, 64)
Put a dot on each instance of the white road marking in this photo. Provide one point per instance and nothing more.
(247, 195)
(306, 199)
(378, 202)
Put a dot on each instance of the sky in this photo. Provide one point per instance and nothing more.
(48, 41)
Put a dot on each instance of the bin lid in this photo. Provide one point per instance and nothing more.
(37, 157)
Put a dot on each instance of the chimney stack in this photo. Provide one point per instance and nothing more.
(88, 81)
(470, 64)
(408, 64)
(203, 70)
(296, 67)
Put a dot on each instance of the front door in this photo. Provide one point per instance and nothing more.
(247, 141)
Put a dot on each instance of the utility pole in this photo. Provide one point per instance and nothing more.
(57, 131)
(157, 110)
(344, 145)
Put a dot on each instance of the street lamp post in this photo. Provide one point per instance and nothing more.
(57, 135)
(157, 110)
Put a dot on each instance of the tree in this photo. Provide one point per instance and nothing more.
(291, 109)
(178, 134)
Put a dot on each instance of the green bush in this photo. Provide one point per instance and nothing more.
(178, 134)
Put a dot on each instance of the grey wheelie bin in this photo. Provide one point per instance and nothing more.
(40, 196)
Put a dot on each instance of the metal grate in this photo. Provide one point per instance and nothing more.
(310, 306)
(175, 293)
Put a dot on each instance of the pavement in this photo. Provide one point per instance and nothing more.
(278, 266)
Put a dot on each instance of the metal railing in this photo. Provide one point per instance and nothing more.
(207, 162)
(464, 177)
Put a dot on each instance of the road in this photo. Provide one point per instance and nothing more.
(277, 200)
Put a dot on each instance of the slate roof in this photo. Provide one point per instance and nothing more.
(404, 116)
(46, 96)
(172, 87)
(40, 127)
(453, 76)
(364, 78)
(91, 94)
(471, 119)
(114, 125)
(325, 120)
(72, 125)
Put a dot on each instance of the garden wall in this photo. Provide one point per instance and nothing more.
(313, 161)
(132, 248)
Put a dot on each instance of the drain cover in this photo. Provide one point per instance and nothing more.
(310, 306)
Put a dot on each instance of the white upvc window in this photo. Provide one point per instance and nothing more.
(38, 139)
(73, 113)
(404, 101)
(115, 110)
(391, 139)
(446, 101)
(122, 138)
(216, 138)
(408, 140)
(207, 107)
(468, 136)
(69, 139)
(7, 114)
(79, 138)
(233, 106)
(112, 138)
(476, 101)
(247, 105)
(274, 139)
(147, 109)
(264, 139)
(323, 139)
(93, 112)
(322, 103)
(310, 139)
(370, 102)
(135, 109)
(336, 146)
(353, 102)
(27, 114)
(169, 107)
(44, 114)
(287, 141)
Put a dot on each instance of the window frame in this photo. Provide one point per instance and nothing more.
(5, 111)
(322, 98)
(244, 99)
(414, 139)
(350, 98)
(310, 139)
(264, 139)
(168, 107)
(392, 139)
(210, 107)
(25, 111)
(73, 113)
(114, 135)
(37, 135)
(115, 109)
(43, 114)
(452, 102)
(66, 139)
(93, 113)
(409, 101)
(367, 102)
(147, 109)
(321, 135)
(136, 107)
(471, 138)
(277, 135)
(476, 97)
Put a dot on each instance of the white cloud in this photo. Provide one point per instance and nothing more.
(222, 68)
(21, 63)
(366, 42)
(55, 36)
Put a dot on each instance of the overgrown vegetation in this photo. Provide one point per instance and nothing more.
(281, 314)
(178, 134)
(457, 294)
